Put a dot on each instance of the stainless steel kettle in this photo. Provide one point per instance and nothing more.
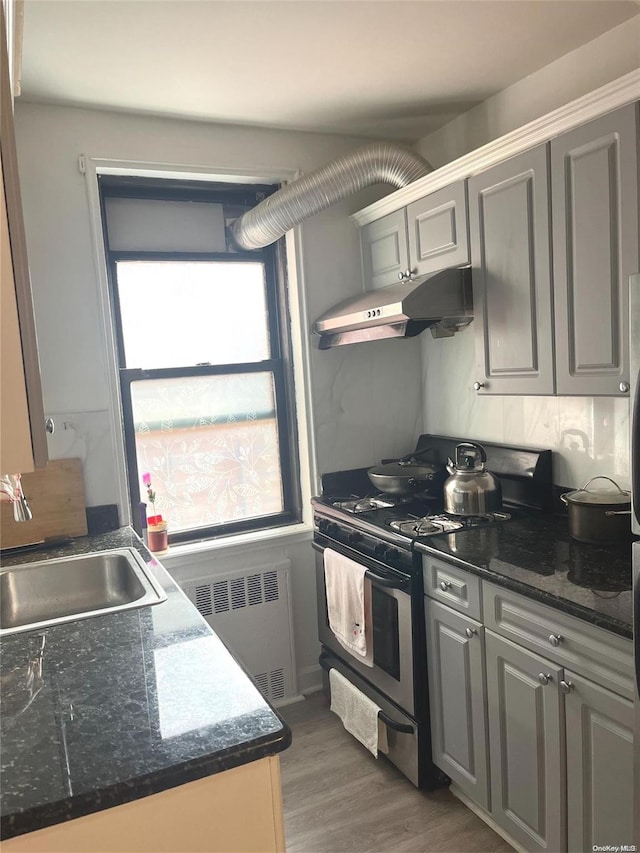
(470, 490)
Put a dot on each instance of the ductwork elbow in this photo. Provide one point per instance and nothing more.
(379, 163)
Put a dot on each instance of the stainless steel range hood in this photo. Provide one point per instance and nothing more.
(441, 301)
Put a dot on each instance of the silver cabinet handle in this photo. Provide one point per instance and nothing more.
(566, 686)
(478, 385)
(624, 387)
(555, 639)
(445, 585)
(401, 276)
(470, 632)
(544, 677)
(49, 426)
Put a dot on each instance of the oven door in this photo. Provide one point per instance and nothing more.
(392, 629)
(403, 733)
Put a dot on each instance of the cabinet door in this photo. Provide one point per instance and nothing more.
(510, 252)
(455, 660)
(24, 442)
(384, 250)
(438, 230)
(594, 179)
(599, 765)
(526, 726)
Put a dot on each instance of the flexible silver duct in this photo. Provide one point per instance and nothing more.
(381, 163)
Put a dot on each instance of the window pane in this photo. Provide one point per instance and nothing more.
(177, 313)
(211, 446)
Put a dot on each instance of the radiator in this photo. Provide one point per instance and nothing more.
(251, 611)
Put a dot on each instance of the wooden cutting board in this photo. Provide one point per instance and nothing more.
(56, 498)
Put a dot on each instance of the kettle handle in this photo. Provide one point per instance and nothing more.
(468, 445)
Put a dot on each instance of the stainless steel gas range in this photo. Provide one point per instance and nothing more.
(379, 532)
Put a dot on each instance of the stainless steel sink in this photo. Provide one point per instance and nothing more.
(45, 593)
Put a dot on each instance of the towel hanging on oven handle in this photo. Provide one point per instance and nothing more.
(403, 728)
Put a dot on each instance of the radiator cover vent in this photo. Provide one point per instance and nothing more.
(251, 611)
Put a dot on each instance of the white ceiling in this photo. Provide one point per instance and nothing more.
(395, 69)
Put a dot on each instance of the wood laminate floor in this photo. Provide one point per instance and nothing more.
(338, 797)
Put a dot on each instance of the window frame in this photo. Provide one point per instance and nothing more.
(280, 364)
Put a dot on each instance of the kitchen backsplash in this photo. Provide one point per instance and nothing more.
(87, 436)
(589, 435)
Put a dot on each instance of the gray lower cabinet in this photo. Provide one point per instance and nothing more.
(511, 262)
(594, 179)
(526, 739)
(457, 699)
(599, 765)
(427, 236)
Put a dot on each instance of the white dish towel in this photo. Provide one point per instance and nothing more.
(358, 713)
(349, 604)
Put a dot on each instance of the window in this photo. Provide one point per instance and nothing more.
(204, 358)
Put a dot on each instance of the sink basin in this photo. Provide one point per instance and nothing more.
(49, 592)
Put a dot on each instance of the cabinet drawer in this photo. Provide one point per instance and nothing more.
(452, 586)
(591, 651)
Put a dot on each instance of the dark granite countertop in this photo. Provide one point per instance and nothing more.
(128, 704)
(537, 557)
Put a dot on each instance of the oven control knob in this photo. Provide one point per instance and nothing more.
(354, 537)
(327, 527)
(382, 551)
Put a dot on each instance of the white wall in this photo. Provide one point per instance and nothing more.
(585, 69)
(590, 435)
(366, 399)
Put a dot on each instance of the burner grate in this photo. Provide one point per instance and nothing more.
(432, 525)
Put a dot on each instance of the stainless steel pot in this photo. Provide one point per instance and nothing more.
(408, 476)
(470, 490)
(599, 515)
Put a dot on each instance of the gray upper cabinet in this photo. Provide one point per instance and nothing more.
(385, 253)
(438, 230)
(429, 235)
(511, 262)
(594, 171)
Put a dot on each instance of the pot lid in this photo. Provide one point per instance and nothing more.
(586, 495)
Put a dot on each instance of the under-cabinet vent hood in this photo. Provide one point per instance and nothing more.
(441, 301)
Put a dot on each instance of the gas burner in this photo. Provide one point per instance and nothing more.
(369, 504)
(432, 525)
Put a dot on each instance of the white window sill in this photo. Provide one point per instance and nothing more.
(179, 555)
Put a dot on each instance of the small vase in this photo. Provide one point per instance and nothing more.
(158, 537)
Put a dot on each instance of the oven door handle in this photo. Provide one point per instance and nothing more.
(403, 728)
(403, 584)
(388, 582)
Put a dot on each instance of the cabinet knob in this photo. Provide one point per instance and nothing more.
(624, 387)
(478, 385)
(445, 585)
(555, 639)
(544, 677)
(401, 276)
(49, 426)
(470, 632)
(566, 686)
